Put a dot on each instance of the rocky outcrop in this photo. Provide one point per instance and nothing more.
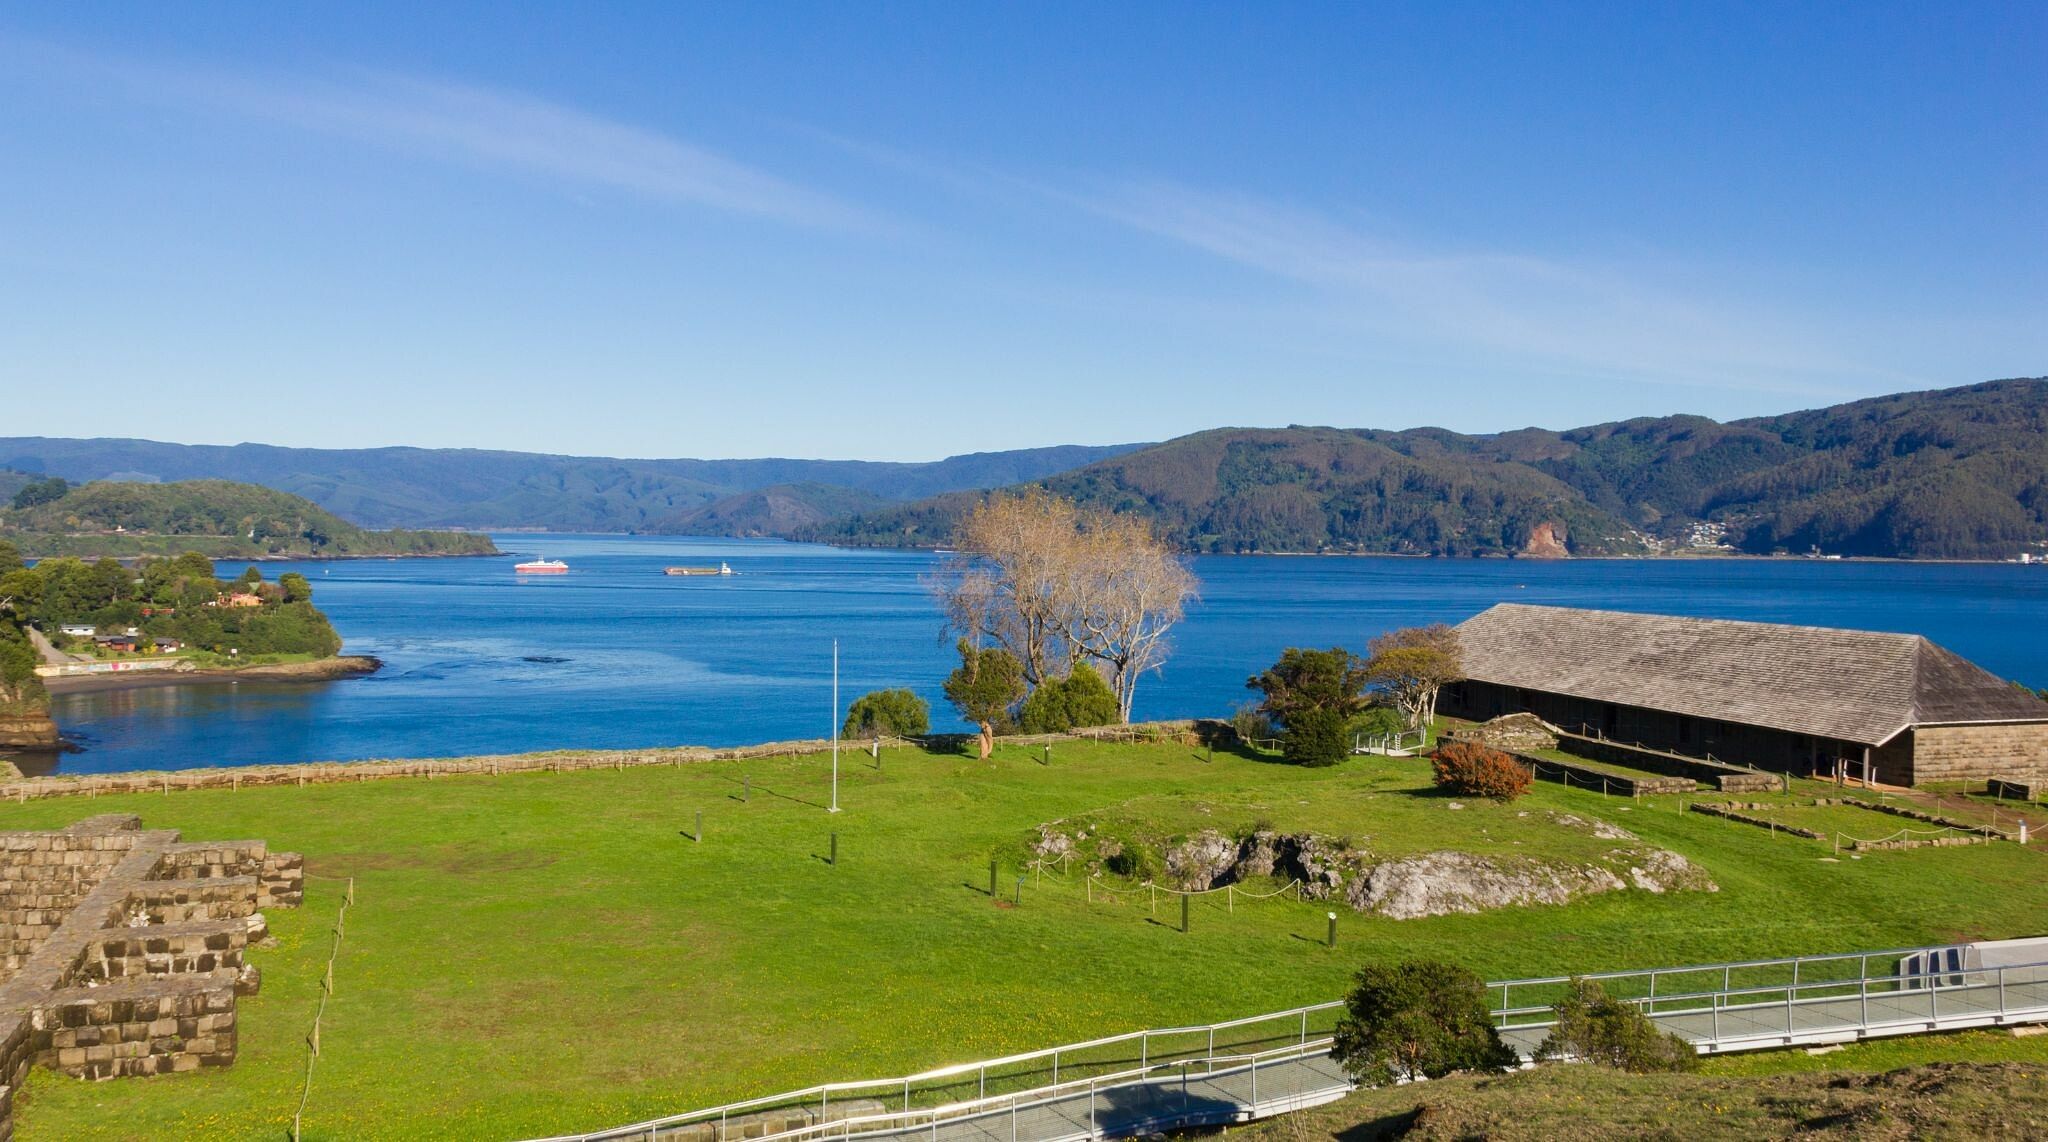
(1440, 883)
(1546, 541)
(28, 731)
(1405, 887)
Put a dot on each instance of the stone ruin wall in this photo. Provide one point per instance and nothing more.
(121, 949)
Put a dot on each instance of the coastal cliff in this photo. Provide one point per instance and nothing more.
(28, 730)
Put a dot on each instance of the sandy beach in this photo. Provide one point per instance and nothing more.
(326, 669)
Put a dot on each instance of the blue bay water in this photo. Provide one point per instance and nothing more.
(617, 655)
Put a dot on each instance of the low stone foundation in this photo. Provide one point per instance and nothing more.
(1727, 778)
(123, 948)
(2018, 788)
(1733, 811)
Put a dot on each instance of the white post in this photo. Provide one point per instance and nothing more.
(835, 727)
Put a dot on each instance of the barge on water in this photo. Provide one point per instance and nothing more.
(721, 569)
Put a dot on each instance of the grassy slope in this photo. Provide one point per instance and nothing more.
(547, 952)
(1942, 1100)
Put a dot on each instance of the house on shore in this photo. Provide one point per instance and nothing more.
(1798, 699)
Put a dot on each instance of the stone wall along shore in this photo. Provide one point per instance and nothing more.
(344, 772)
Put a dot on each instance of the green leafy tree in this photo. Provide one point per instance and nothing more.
(1411, 667)
(1417, 1019)
(984, 688)
(1304, 680)
(1598, 1028)
(898, 712)
(297, 588)
(36, 493)
(1313, 694)
(1080, 699)
(10, 558)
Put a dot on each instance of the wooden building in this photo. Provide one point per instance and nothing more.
(1784, 698)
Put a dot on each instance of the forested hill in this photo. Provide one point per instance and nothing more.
(215, 518)
(1954, 473)
(459, 487)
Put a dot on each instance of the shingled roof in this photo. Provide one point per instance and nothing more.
(1850, 685)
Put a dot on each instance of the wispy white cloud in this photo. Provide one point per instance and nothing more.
(466, 123)
(1584, 317)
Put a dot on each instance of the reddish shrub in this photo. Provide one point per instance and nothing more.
(1474, 770)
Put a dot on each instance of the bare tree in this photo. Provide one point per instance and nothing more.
(1053, 585)
(1132, 590)
(1412, 665)
(1012, 583)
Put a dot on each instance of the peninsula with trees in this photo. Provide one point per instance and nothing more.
(48, 516)
(67, 623)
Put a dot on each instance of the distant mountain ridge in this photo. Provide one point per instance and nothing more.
(1953, 473)
(471, 488)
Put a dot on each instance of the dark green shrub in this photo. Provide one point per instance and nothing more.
(895, 712)
(1080, 699)
(1597, 1028)
(1417, 1019)
(1315, 738)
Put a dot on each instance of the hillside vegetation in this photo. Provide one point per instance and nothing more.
(1956, 473)
(215, 518)
(475, 488)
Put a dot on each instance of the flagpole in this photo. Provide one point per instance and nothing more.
(835, 727)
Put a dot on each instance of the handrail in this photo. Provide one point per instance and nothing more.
(1795, 987)
(892, 1085)
(1040, 1095)
(1933, 982)
(1824, 957)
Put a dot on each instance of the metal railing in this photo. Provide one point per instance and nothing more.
(1295, 1032)
(1733, 1006)
(1758, 1003)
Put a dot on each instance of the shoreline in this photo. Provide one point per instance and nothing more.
(32, 558)
(321, 670)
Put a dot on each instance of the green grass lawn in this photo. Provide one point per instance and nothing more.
(548, 952)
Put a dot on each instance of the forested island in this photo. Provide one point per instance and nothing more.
(47, 516)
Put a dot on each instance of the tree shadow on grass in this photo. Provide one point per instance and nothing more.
(1386, 1126)
(766, 791)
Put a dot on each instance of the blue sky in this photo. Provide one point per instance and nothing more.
(907, 231)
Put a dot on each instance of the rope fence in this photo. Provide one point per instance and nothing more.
(1904, 838)
(326, 990)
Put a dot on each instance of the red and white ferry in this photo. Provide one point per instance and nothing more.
(541, 567)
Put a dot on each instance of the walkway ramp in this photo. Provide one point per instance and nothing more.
(1246, 1069)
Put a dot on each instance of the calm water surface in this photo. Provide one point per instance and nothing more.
(615, 654)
